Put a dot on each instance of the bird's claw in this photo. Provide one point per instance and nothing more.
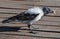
(33, 32)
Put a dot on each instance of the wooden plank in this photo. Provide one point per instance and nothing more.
(7, 15)
(10, 11)
(16, 8)
(40, 34)
(41, 27)
(3, 36)
(13, 4)
(18, 3)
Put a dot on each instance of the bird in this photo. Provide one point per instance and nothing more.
(30, 16)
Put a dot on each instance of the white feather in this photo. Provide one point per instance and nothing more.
(35, 10)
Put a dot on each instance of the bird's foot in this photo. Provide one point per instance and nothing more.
(32, 31)
(32, 28)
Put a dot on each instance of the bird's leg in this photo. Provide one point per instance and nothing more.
(29, 26)
(31, 30)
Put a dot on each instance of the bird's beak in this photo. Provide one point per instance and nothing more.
(53, 12)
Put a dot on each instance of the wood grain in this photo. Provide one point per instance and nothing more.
(49, 26)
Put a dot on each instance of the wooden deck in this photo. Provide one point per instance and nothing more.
(49, 26)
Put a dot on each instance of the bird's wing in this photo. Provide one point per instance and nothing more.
(20, 17)
(26, 16)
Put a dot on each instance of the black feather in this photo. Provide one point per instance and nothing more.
(9, 19)
(21, 16)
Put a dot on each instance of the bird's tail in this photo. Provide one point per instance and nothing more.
(9, 19)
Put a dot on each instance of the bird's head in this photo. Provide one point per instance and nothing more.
(47, 10)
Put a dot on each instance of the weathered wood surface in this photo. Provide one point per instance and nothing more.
(49, 26)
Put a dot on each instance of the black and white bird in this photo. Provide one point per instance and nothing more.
(30, 16)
